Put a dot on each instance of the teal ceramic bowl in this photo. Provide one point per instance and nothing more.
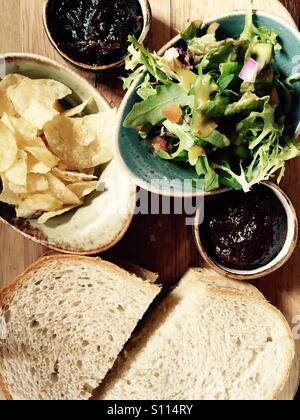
(156, 175)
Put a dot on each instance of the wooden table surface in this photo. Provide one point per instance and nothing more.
(160, 243)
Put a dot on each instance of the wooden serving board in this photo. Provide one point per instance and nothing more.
(160, 243)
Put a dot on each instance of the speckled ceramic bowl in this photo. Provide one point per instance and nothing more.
(136, 155)
(147, 16)
(105, 216)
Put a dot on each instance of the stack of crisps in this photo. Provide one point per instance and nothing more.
(47, 155)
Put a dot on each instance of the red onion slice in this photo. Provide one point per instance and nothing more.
(250, 71)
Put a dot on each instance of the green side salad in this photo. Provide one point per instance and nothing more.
(220, 107)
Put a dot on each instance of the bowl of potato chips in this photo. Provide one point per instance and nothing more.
(60, 185)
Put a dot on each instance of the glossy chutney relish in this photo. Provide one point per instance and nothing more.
(94, 32)
(244, 231)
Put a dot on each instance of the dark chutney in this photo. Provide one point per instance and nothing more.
(244, 231)
(94, 32)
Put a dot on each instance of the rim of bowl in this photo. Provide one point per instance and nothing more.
(132, 202)
(147, 15)
(248, 275)
(284, 22)
(119, 236)
(43, 59)
(145, 184)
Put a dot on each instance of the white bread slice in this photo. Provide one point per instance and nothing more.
(67, 319)
(212, 279)
(210, 339)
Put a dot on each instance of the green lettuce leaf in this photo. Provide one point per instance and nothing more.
(192, 30)
(290, 150)
(217, 139)
(215, 108)
(248, 103)
(134, 58)
(265, 121)
(228, 180)
(132, 77)
(150, 110)
(217, 52)
(268, 161)
(146, 89)
(229, 72)
(152, 62)
(185, 137)
(204, 170)
(261, 35)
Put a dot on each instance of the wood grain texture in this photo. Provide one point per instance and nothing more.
(293, 6)
(159, 243)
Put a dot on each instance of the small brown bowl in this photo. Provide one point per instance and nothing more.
(282, 258)
(147, 16)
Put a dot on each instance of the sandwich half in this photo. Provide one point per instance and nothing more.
(63, 324)
(210, 339)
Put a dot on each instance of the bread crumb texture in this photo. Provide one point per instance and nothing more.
(211, 339)
(66, 321)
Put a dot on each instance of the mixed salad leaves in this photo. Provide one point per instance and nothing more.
(220, 107)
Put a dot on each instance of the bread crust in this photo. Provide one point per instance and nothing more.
(257, 296)
(7, 293)
(215, 285)
(227, 283)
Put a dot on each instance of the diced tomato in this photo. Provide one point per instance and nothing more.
(173, 113)
(179, 64)
(159, 144)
